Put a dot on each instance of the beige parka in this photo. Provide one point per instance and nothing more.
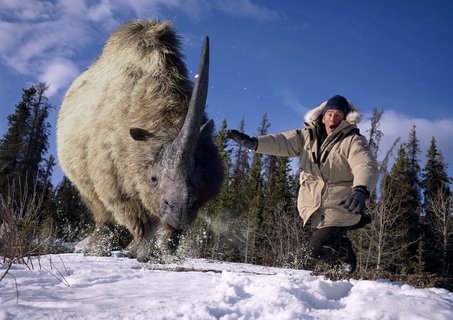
(329, 170)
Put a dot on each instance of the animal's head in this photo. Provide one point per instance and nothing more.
(175, 177)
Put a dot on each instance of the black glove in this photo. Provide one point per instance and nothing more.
(242, 139)
(355, 201)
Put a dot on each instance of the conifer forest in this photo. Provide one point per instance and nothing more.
(254, 218)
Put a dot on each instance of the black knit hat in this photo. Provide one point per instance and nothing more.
(338, 103)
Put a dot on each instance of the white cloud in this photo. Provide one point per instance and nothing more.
(198, 9)
(396, 125)
(154, 8)
(58, 73)
(26, 9)
(291, 100)
(35, 32)
(60, 33)
(35, 44)
(8, 37)
(247, 9)
(101, 12)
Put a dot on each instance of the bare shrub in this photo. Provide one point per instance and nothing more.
(440, 222)
(284, 239)
(21, 234)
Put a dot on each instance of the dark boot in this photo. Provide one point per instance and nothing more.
(346, 255)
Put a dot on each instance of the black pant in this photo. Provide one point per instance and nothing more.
(328, 242)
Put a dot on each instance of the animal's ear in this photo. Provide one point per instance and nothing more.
(140, 134)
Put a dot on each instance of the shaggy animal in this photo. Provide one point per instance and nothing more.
(134, 138)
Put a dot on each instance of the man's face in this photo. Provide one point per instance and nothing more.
(332, 119)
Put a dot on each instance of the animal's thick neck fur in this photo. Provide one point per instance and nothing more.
(312, 116)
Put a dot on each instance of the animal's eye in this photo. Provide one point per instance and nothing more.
(154, 181)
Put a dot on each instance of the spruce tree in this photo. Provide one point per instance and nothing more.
(71, 217)
(268, 223)
(280, 184)
(283, 183)
(378, 243)
(240, 173)
(47, 195)
(234, 249)
(210, 230)
(11, 146)
(23, 167)
(375, 132)
(223, 199)
(253, 213)
(414, 170)
(363, 238)
(438, 221)
(399, 186)
(255, 201)
(282, 239)
(225, 153)
(435, 177)
(270, 181)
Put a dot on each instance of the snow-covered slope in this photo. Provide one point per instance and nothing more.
(71, 286)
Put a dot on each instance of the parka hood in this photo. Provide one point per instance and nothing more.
(312, 116)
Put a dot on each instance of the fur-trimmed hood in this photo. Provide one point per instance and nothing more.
(312, 116)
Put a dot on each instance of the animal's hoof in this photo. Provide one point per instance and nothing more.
(141, 250)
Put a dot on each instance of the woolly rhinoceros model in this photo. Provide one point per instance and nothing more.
(134, 138)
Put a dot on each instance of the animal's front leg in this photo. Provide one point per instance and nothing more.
(107, 238)
(159, 246)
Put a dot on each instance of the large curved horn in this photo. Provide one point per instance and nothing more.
(186, 142)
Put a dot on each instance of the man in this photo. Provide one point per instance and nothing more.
(338, 174)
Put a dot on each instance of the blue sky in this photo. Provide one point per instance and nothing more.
(280, 57)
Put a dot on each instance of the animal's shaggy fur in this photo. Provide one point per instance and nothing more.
(139, 81)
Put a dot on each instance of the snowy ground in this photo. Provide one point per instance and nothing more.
(71, 286)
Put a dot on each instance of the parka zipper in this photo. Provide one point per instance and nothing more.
(325, 150)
